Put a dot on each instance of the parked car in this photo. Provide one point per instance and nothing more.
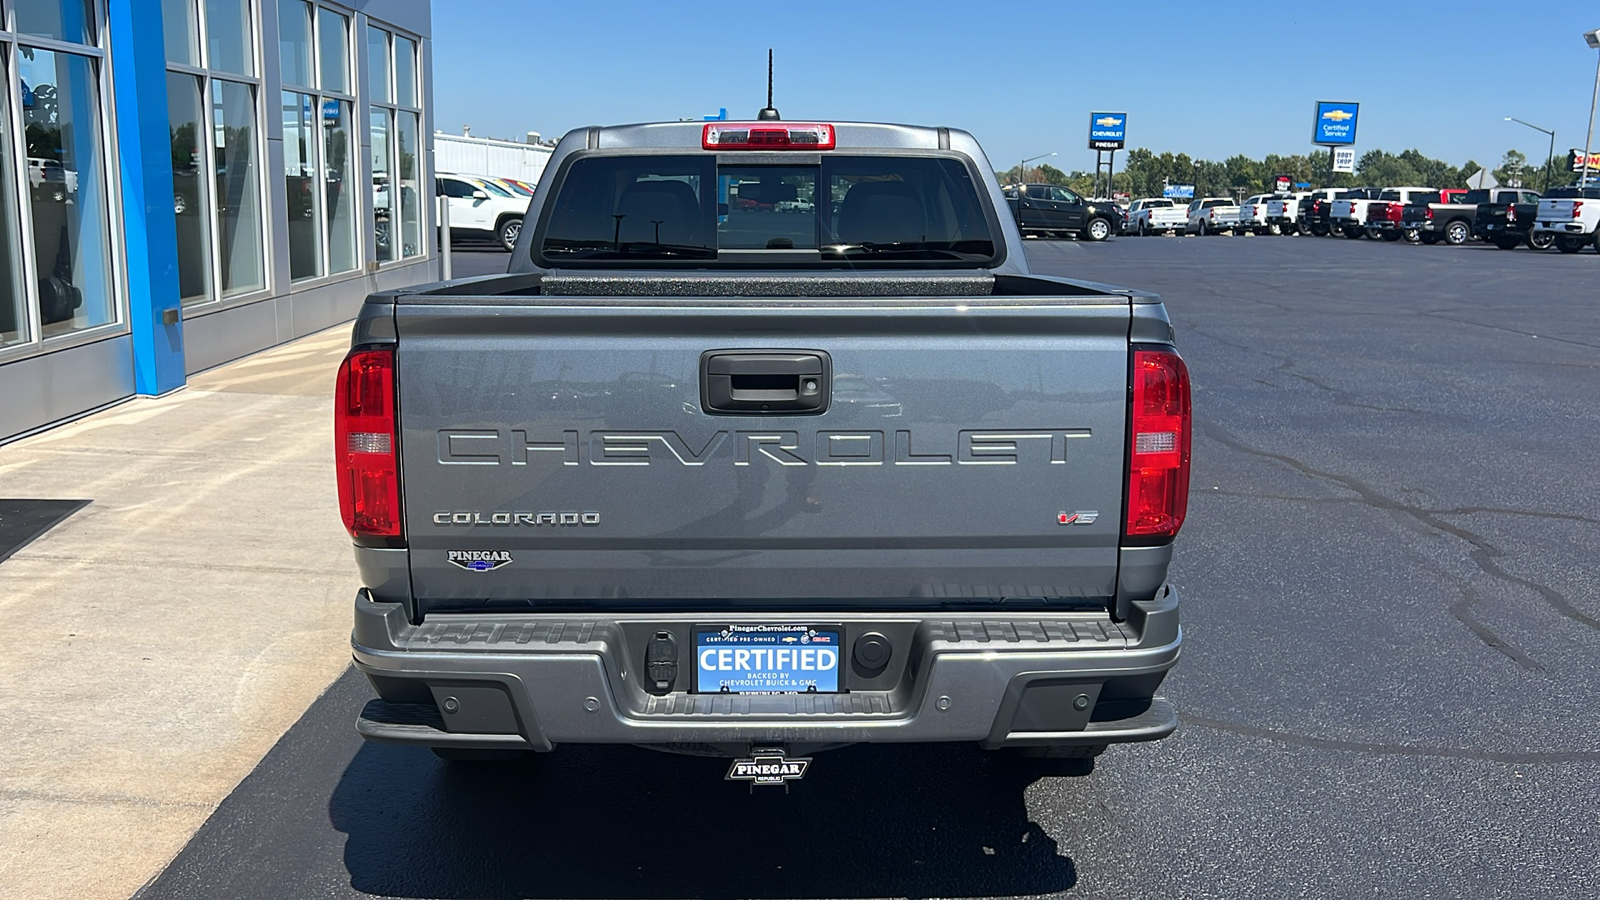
(1155, 215)
(1567, 215)
(728, 556)
(480, 209)
(1507, 222)
(1348, 216)
(1212, 215)
(1386, 214)
(1052, 210)
(1315, 208)
(1449, 218)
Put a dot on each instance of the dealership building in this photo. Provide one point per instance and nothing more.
(183, 182)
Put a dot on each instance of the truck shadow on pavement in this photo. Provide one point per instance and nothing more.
(867, 821)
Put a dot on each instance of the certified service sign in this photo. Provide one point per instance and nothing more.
(1107, 131)
(1335, 124)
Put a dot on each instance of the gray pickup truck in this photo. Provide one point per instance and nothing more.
(822, 465)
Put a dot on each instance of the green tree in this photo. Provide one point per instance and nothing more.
(1513, 169)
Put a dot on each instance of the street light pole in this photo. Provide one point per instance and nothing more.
(1547, 159)
(1593, 39)
(1022, 166)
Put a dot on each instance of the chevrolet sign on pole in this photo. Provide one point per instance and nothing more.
(1107, 131)
(1335, 124)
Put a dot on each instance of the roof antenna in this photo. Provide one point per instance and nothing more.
(768, 113)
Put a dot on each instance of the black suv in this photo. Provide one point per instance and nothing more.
(1054, 211)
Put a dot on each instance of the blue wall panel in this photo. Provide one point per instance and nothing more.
(150, 229)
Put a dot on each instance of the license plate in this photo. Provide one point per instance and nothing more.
(767, 659)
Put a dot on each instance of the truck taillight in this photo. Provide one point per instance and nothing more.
(1577, 207)
(1430, 212)
(1158, 451)
(766, 136)
(366, 448)
(1511, 213)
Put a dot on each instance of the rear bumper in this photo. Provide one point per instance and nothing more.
(1560, 227)
(534, 681)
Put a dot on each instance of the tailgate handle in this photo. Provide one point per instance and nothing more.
(765, 382)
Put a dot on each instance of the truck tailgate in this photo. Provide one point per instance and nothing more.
(557, 451)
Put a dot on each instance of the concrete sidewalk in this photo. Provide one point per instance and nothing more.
(162, 639)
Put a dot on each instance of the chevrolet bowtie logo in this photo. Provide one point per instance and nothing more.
(1338, 115)
(1107, 121)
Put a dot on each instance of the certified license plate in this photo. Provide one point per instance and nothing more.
(767, 659)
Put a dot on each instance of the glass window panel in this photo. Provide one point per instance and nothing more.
(405, 71)
(64, 20)
(13, 321)
(378, 65)
(340, 177)
(410, 185)
(382, 197)
(181, 24)
(238, 174)
(189, 186)
(71, 229)
(334, 43)
(294, 41)
(228, 38)
(301, 183)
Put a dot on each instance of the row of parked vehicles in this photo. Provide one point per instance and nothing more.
(1567, 218)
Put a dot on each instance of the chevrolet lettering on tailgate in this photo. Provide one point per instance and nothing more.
(491, 447)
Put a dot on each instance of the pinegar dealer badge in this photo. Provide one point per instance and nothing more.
(478, 560)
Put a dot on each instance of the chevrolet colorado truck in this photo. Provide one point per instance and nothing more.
(1054, 211)
(750, 483)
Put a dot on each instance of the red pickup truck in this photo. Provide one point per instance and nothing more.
(1386, 217)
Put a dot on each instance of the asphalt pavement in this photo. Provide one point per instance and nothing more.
(1392, 642)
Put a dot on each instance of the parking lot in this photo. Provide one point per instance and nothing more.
(1392, 623)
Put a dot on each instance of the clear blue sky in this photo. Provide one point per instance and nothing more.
(1208, 78)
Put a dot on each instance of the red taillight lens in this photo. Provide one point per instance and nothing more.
(1158, 452)
(1511, 214)
(766, 136)
(1577, 207)
(1430, 212)
(366, 450)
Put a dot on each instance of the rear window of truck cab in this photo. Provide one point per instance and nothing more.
(849, 211)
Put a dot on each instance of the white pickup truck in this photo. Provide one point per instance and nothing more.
(1283, 212)
(1155, 215)
(1212, 215)
(1572, 214)
(1255, 215)
(1349, 213)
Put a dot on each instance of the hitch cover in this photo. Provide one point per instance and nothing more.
(769, 765)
